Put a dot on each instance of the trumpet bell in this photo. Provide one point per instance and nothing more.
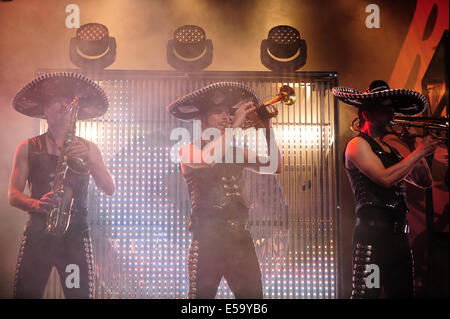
(266, 111)
(287, 95)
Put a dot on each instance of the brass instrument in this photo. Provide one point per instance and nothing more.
(58, 220)
(267, 110)
(401, 124)
(433, 123)
(439, 126)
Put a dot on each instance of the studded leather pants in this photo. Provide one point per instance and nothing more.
(382, 262)
(40, 251)
(223, 251)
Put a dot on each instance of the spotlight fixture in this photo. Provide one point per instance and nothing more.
(189, 50)
(92, 47)
(283, 50)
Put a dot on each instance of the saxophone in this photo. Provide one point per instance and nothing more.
(58, 220)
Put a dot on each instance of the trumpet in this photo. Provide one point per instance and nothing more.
(286, 95)
(438, 125)
(432, 123)
(401, 124)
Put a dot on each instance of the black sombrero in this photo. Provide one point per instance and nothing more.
(32, 99)
(225, 94)
(404, 101)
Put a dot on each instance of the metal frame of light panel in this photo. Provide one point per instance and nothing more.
(140, 240)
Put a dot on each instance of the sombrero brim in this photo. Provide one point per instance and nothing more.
(404, 101)
(197, 102)
(31, 100)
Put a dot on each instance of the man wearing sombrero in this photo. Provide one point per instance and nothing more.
(49, 97)
(221, 244)
(377, 162)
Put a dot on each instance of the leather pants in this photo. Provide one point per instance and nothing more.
(71, 254)
(223, 248)
(382, 259)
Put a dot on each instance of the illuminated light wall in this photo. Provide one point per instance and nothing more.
(302, 261)
(139, 234)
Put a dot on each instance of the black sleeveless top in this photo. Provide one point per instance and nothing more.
(217, 191)
(368, 193)
(41, 174)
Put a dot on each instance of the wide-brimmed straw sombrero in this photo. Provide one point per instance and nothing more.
(34, 97)
(226, 94)
(404, 101)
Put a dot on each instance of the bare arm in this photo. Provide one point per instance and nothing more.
(270, 134)
(360, 155)
(17, 182)
(102, 177)
(192, 156)
(420, 175)
(195, 156)
(271, 145)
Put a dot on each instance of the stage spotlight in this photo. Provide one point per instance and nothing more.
(283, 50)
(189, 50)
(92, 47)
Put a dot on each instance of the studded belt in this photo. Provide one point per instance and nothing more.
(393, 226)
(229, 225)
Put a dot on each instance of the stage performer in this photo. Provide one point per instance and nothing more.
(54, 97)
(377, 164)
(221, 244)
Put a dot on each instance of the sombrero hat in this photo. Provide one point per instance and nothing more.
(225, 94)
(33, 98)
(404, 101)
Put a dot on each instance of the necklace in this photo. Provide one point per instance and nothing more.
(52, 138)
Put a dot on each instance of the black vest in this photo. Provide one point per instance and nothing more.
(41, 174)
(217, 191)
(369, 193)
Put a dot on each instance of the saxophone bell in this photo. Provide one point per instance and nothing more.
(58, 220)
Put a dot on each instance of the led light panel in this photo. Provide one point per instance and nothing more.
(140, 239)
